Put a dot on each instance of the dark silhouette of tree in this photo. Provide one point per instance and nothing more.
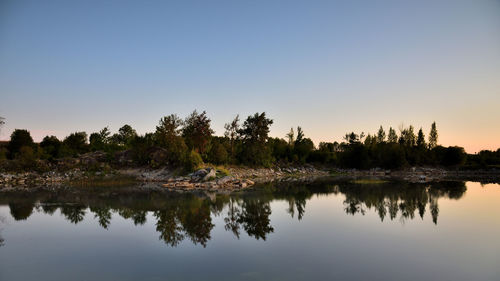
(421, 139)
(76, 143)
(302, 146)
(392, 137)
(125, 136)
(18, 139)
(51, 146)
(380, 135)
(98, 141)
(433, 136)
(255, 133)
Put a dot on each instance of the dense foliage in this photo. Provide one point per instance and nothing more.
(188, 143)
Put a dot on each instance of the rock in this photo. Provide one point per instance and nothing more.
(210, 174)
(225, 180)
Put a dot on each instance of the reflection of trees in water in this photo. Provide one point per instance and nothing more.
(179, 221)
(103, 215)
(403, 199)
(21, 210)
(2, 241)
(137, 216)
(254, 217)
(183, 217)
(73, 213)
(231, 220)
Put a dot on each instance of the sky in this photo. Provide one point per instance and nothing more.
(331, 67)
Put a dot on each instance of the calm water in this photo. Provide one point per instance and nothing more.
(322, 231)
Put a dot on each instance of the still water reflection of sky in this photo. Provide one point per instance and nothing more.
(302, 233)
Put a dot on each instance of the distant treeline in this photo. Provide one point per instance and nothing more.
(190, 142)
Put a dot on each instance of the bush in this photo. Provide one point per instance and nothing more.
(193, 161)
(18, 139)
(27, 157)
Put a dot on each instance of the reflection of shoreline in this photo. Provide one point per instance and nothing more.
(186, 216)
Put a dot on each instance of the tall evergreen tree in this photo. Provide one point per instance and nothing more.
(380, 135)
(433, 136)
(392, 137)
(420, 138)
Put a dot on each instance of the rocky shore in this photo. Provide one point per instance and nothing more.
(226, 179)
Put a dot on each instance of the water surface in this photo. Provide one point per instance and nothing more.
(321, 231)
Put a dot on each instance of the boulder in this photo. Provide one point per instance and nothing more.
(211, 174)
(225, 180)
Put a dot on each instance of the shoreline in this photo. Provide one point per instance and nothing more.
(227, 179)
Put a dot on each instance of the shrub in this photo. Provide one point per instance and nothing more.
(193, 161)
(18, 139)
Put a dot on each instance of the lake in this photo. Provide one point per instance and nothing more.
(316, 231)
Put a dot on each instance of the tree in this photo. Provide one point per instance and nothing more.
(2, 122)
(232, 132)
(197, 131)
(351, 138)
(168, 128)
(76, 142)
(255, 133)
(303, 149)
(18, 139)
(420, 138)
(380, 135)
(51, 146)
(167, 136)
(256, 128)
(407, 136)
(125, 136)
(99, 140)
(300, 135)
(392, 137)
(433, 136)
(291, 137)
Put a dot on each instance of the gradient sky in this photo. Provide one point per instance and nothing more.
(330, 67)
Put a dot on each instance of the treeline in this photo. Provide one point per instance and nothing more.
(190, 142)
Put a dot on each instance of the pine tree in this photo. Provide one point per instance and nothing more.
(433, 136)
(392, 137)
(420, 138)
(381, 135)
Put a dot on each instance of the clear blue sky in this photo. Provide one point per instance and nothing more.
(328, 66)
